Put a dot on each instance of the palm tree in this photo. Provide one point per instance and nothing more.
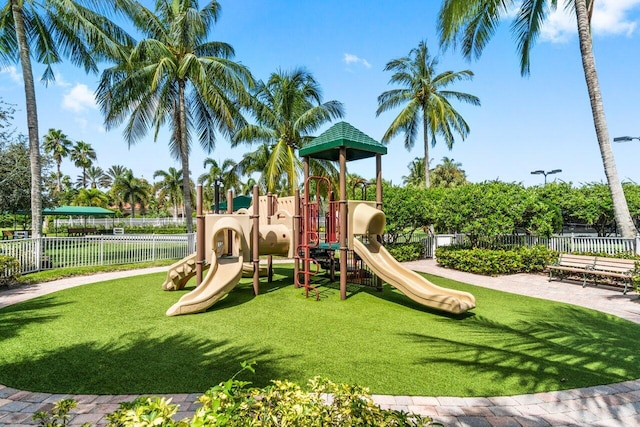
(474, 22)
(113, 173)
(227, 174)
(53, 28)
(176, 76)
(95, 177)
(448, 174)
(133, 190)
(90, 197)
(416, 173)
(83, 155)
(425, 97)
(288, 108)
(57, 143)
(170, 186)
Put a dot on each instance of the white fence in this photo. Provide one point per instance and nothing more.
(110, 222)
(566, 244)
(64, 252)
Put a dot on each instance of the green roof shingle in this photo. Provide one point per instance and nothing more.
(342, 134)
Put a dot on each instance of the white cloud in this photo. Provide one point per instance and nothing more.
(353, 59)
(78, 99)
(610, 17)
(13, 73)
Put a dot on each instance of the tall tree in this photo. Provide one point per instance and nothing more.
(425, 98)
(288, 108)
(57, 143)
(53, 29)
(473, 23)
(175, 76)
(95, 177)
(448, 174)
(83, 156)
(227, 173)
(416, 173)
(133, 190)
(170, 187)
(113, 173)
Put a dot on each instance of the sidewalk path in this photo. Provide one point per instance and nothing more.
(606, 405)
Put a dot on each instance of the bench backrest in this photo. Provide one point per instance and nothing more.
(618, 265)
(578, 261)
(7, 233)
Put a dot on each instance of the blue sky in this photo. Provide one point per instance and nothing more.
(540, 122)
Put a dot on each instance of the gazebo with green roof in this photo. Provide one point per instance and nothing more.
(342, 143)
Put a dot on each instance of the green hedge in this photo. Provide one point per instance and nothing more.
(11, 266)
(405, 251)
(493, 262)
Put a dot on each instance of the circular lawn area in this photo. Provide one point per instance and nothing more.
(113, 338)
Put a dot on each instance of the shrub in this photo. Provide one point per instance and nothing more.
(405, 251)
(9, 270)
(492, 262)
(235, 403)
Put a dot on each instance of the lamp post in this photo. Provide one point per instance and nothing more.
(541, 172)
(625, 138)
(216, 195)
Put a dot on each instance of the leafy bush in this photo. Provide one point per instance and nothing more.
(58, 416)
(492, 262)
(9, 270)
(235, 403)
(405, 251)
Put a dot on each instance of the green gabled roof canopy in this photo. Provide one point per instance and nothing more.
(327, 145)
(78, 211)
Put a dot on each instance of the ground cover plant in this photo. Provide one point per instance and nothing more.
(113, 337)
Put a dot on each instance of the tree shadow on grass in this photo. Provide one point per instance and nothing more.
(17, 316)
(567, 347)
(136, 364)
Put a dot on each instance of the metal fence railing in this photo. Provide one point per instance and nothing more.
(566, 244)
(64, 252)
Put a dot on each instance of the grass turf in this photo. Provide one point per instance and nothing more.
(113, 337)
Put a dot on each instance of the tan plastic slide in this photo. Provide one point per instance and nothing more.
(224, 274)
(406, 281)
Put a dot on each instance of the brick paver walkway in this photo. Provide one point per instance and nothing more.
(605, 405)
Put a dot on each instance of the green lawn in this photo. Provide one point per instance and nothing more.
(113, 337)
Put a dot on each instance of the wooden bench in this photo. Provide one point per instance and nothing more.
(569, 264)
(7, 234)
(615, 268)
(81, 231)
(594, 267)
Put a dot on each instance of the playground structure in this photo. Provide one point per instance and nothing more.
(309, 229)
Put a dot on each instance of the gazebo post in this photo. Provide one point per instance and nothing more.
(199, 235)
(255, 240)
(379, 181)
(270, 212)
(379, 203)
(343, 222)
(230, 211)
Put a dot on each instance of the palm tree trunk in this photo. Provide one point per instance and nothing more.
(59, 188)
(32, 119)
(425, 130)
(184, 157)
(621, 210)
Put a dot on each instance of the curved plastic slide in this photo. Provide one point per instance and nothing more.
(411, 283)
(224, 274)
(179, 273)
